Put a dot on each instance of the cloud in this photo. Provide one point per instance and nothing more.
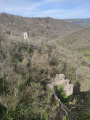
(78, 12)
(20, 7)
(52, 1)
(43, 8)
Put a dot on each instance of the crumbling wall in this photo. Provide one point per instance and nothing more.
(25, 34)
(60, 80)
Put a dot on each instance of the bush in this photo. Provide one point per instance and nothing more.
(61, 94)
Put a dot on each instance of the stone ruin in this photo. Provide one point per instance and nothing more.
(25, 34)
(60, 80)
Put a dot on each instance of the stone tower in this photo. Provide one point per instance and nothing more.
(60, 80)
(25, 34)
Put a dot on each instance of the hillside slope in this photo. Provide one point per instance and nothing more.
(77, 40)
(56, 38)
(27, 66)
(82, 22)
(47, 27)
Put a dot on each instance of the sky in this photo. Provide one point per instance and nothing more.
(60, 9)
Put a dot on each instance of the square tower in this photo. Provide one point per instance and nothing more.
(25, 34)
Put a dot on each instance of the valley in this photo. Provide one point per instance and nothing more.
(52, 47)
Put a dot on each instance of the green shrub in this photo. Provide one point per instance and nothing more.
(15, 57)
(61, 94)
(53, 62)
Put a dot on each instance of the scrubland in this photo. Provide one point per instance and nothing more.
(26, 67)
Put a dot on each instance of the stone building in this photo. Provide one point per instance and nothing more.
(68, 89)
(59, 77)
(25, 35)
(60, 80)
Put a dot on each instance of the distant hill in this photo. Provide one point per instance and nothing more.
(82, 22)
(77, 40)
(46, 27)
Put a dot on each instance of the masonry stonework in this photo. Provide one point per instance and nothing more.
(60, 80)
(25, 34)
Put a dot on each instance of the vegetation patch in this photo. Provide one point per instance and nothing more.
(86, 53)
(61, 94)
(27, 67)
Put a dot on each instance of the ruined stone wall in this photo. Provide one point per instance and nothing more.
(60, 80)
(25, 34)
